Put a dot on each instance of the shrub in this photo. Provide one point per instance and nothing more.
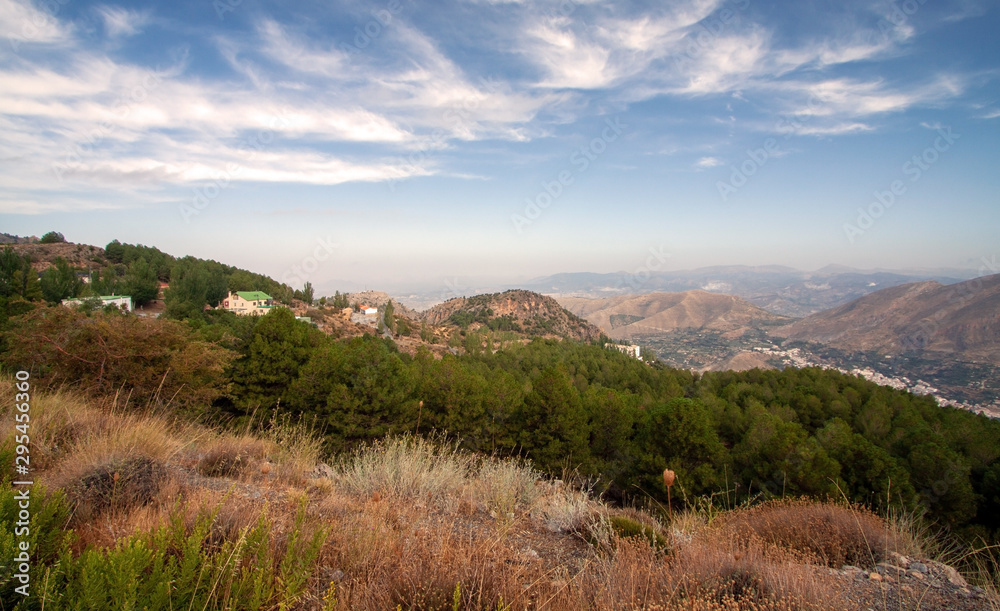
(174, 567)
(151, 361)
(833, 534)
(406, 467)
(52, 237)
(122, 484)
(231, 456)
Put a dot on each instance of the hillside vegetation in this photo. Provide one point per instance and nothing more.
(568, 406)
(188, 450)
(140, 509)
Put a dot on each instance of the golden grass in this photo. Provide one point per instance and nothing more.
(831, 534)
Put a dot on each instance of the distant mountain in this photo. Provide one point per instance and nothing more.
(655, 314)
(515, 310)
(6, 238)
(960, 320)
(778, 289)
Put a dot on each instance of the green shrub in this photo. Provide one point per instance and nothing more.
(627, 528)
(174, 567)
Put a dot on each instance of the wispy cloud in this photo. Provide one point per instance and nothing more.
(122, 22)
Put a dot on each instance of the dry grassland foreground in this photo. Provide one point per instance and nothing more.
(137, 509)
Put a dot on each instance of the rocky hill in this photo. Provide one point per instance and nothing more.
(515, 310)
(959, 320)
(654, 314)
(379, 299)
(80, 256)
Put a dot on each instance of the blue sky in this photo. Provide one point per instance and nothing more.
(399, 142)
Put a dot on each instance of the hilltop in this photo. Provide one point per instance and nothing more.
(518, 311)
(43, 256)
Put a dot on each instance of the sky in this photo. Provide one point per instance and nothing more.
(402, 143)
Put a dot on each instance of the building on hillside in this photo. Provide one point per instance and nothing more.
(631, 350)
(369, 311)
(123, 302)
(245, 303)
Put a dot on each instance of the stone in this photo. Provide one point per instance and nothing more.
(919, 576)
(899, 560)
(919, 567)
(874, 576)
(953, 576)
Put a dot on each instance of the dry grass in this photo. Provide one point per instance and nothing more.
(831, 534)
(412, 522)
(232, 455)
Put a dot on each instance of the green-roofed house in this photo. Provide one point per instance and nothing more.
(245, 303)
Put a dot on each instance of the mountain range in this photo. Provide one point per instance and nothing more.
(635, 316)
(781, 290)
(957, 320)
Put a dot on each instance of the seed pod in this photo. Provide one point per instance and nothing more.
(668, 478)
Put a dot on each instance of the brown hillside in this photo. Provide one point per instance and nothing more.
(631, 316)
(80, 256)
(961, 320)
(534, 314)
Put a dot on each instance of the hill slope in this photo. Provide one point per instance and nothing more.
(515, 310)
(776, 289)
(631, 316)
(959, 320)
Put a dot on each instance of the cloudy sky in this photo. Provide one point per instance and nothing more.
(396, 141)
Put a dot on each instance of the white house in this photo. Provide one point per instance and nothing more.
(631, 350)
(121, 301)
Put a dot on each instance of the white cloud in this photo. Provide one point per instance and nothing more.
(122, 22)
(22, 22)
(708, 162)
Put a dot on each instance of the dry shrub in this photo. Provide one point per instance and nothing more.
(407, 467)
(231, 456)
(298, 449)
(395, 554)
(121, 484)
(832, 534)
(158, 361)
(565, 510)
(505, 486)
